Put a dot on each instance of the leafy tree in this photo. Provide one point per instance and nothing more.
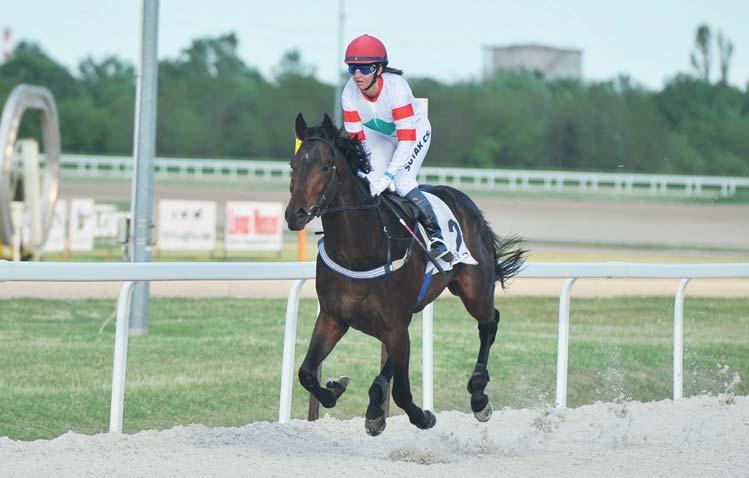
(103, 81)
(702, 53)
(291, 66)
(725, 51)
(199, 94)
(30, 64)
(212, 104)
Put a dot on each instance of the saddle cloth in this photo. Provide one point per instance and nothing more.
(451, 233)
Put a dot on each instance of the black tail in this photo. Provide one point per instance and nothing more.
(510, 256)
(509, 253)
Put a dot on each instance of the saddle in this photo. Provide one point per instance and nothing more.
(407, 209)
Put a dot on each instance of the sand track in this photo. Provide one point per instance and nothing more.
(700, 436)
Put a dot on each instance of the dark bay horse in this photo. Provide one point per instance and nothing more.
(361, 234)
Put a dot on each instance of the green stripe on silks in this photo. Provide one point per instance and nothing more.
(381, 126)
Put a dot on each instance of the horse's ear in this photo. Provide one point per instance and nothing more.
(328, 127)
(300, 126)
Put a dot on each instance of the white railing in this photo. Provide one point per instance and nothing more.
(490, 179)
(299, 272)
(563, 181)
(178, 168)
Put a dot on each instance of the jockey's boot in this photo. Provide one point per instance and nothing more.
(428, 219)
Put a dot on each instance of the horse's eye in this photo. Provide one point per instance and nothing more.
(325, 166)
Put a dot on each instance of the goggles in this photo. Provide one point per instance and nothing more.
(363, 69)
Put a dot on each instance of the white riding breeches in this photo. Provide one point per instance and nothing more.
(381, 152)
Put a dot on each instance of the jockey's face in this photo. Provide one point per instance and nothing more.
(362, 80)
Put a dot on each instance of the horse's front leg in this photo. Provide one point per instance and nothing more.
(378, 394)
(325, 336)
(399, 350)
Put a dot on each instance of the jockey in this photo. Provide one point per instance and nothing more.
(378, 109)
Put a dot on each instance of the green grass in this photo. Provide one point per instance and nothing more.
(217, 361)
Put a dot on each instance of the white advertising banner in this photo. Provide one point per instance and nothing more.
(106, 220)
(253, 226)
(187, 225)
(82, 224)
(58, 230)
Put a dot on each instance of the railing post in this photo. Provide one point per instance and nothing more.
(289, 345)
(119, 369)
(679, 340)
(563, 342)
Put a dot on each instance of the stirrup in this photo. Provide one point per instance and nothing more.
(439, 250)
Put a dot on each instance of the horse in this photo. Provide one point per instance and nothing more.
(359, 234)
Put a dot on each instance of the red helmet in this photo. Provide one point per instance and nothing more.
(366, 49)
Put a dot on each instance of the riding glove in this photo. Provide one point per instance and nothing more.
(379, 185)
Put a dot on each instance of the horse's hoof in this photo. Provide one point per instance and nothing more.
(338, 385)
(430, 421)
(485, 414)
(342, 381)
(375, 426)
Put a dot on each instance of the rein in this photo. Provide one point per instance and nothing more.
(319, 209)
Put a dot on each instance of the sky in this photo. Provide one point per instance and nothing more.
(442, 39)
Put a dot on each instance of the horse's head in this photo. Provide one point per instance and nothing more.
(313, 172)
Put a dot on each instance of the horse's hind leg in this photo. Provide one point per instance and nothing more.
(399, 348)
(325, 336)
(479, 302)
(480, 404)
(378, 394)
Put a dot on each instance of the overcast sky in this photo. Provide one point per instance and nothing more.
(441, 39)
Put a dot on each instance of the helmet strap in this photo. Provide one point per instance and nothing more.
(374, 78)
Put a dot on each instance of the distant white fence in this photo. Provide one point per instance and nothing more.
(501, 179)
(299, 272)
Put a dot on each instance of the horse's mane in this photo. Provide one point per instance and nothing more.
(352, 149)
(354, 152)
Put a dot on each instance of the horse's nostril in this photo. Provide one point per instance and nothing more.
(301, 212)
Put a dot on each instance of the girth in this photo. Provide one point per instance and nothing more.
(377, 272)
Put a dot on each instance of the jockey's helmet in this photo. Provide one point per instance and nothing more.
(366, 49)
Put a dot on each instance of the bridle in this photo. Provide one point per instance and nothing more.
(319, 209)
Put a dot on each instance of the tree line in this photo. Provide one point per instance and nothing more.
(212, 104)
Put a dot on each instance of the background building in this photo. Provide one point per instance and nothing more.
(550, 62)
